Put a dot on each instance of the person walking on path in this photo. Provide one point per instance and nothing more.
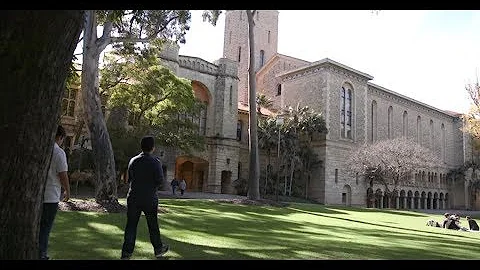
(57, 179)
(183, 186)
(174, 183)
(145, 175)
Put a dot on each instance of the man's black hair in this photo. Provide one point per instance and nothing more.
(61, 132)
(147, 143)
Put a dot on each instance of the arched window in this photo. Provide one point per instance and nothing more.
(346, 111)
(431, 135)
(373, 116)
(279, 89)
(69, 101)
(239, 130)
(419, 130)
(390, 121)
(443, 143)
(262, 58)
(405, 124)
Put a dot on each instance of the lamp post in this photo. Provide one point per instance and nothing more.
(279, 122)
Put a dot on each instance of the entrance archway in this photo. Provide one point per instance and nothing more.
(193, 170)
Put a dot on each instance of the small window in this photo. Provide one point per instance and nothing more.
(239, 53)
(262, 58)
(336, 175)
(239, 130)
(279, 89)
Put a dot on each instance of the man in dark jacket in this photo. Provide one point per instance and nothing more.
(144, 176)
(472, 224)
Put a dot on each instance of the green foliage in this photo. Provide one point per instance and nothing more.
(158, 102)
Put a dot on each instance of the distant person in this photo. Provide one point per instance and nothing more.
(183, 186)
(57, 179)
(174, 183)
(472, 224)
(445, 220)
(145, 175)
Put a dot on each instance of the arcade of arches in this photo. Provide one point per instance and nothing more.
(407, 200)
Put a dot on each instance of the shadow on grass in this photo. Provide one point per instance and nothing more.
(202, 229)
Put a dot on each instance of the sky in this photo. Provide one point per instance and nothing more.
(429, 56)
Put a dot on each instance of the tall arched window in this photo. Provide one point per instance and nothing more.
(390, 121)
(68, 102)
(262, 58)
(419, 130)
(346, 111)
(405, 124)
(239, 130)
(431, 135)
(443, 143)
(374, 121)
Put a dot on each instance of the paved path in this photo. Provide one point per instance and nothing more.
(198, 195)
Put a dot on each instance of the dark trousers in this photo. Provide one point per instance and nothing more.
(49, 211)
(134, 210)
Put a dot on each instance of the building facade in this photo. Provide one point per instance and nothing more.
(356, 112)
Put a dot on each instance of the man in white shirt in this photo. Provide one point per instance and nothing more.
(56, 179)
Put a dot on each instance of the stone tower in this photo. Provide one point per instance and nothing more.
(235, 45)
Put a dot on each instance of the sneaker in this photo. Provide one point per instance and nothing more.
(163, 250)
(126, 256)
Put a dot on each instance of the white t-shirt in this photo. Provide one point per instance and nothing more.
(53, 188)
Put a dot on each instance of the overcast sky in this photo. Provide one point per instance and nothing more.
(426, 55)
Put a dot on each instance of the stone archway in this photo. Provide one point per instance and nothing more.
(194, 170)
(347, 195)
(226, 184)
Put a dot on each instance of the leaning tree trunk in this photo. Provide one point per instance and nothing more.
(36, 52)
(254, 174)
(105, 174)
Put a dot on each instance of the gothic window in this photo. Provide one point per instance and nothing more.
(419, 130)
(346, 112)
(68, 102)
(390, 120)
(405, 124)
(262, 58)
(431, 135)
(279, 89)
(239, 130)
(373, 115)
(443, 143)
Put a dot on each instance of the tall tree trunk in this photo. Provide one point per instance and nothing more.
(36, 52)
(254, 173)
(105, 174)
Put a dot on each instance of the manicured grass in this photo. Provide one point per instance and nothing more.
(203, 229)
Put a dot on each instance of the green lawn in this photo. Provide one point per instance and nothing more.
(203, 229)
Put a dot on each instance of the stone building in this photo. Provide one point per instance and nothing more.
(356, 112)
